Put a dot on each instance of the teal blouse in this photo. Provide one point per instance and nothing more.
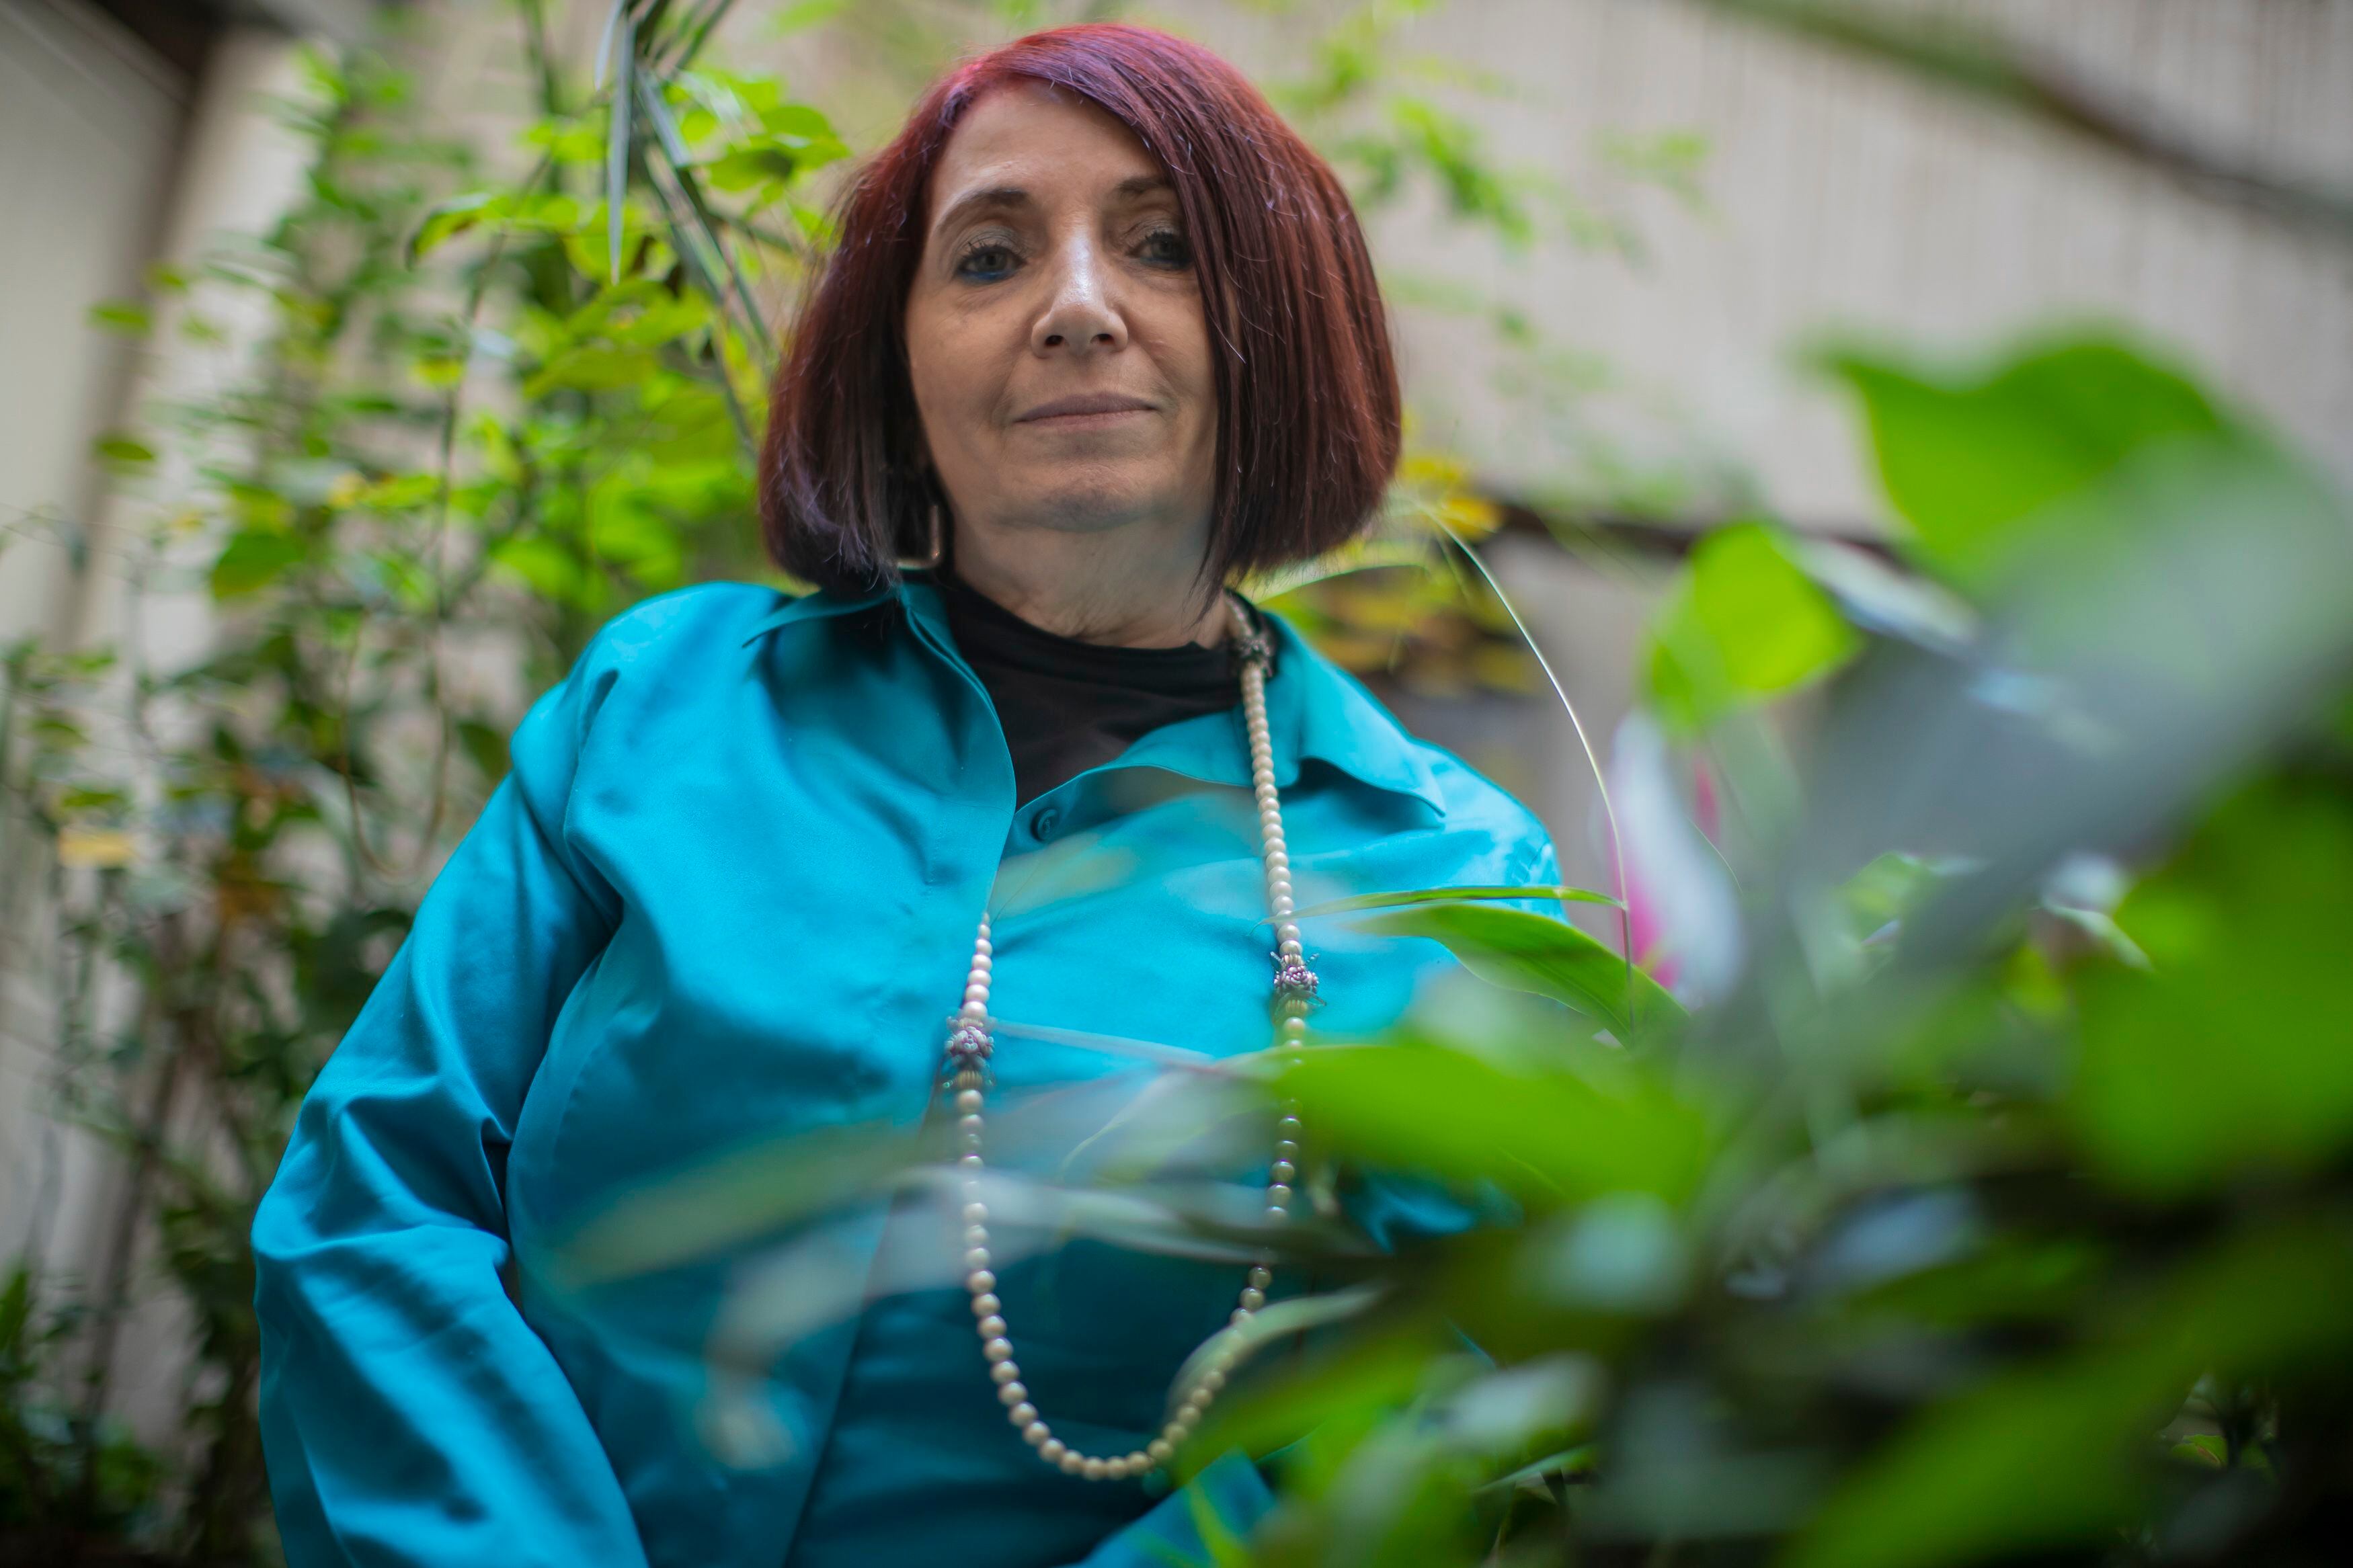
(725, 901)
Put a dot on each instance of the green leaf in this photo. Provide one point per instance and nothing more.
(126, 317)
(252, 560)
(123, 451)
(1551, 958)
(446, 220)
(1453, 895)
(2057, 1452)
(1968, 458)
(1746, 623)
(2231, 1050)
(1550, 1136)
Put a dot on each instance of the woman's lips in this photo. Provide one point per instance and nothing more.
(1085, 409)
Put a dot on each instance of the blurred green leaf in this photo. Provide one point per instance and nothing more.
(1551, 1136)
(1453, 895)
(1746, 622)
(123, 451)
(1968, 458)
(2233, 1049)
(1550, 957)
(253, 559)
(127, 318)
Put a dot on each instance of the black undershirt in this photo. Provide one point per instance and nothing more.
(1068, 706)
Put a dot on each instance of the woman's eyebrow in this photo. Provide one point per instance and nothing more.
(991, 196)
(1014, 198)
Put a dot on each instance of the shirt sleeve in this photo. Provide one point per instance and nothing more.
(410, 1416)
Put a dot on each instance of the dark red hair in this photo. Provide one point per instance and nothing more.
(1306, 382)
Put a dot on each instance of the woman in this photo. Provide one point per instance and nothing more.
(1101, 334)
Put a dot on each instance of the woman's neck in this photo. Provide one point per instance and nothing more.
(1121, 587)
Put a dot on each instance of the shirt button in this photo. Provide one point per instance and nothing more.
(1044, 824)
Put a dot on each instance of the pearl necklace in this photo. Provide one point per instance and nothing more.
(967, 1056)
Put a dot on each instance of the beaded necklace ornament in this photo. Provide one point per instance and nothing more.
(964, 1068)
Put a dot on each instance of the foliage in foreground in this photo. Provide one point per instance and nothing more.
(1989, 1202)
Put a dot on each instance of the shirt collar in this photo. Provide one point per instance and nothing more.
(1314, 708)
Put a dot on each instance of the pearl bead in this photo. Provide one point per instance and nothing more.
(980, 1282)
(1261, 1276)
(1288, 1126)
(1158, 1450)
(975, 1213)
(1187, 1416)
(998, 1350)
(990, 1328)
(974, 1012)
(1006, 1371)
(985, 1303)
(1071, 1462)
(1275, 1215)
(1013, 1393)
(968, 1102)
(975, 1235)
(981, 963)
(1238, 1316)
(976, 1258)
(1022, 1414)
(969, 1162)
(1051, 1449)
(975, 993)
(1291, 948)
(1212, 1380)
(1115, 1469)
(1037, 1434)
(1253, 1297)
(1138, 1462)
(982, 948)
(1294, 1030)
(1281, 1170)
(1094, 1469)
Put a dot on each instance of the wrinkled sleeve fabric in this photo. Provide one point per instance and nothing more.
(410, 1416)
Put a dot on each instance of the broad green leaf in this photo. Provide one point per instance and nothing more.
(1747, 623)
(252, 560)
(1535, 952)
(2232, 1050)
(1550, 1136)
(123, 451)
(126, 317)
(1451, 896)
(1968, 457)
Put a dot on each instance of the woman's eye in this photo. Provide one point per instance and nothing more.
(985, 262)
(1168, 246)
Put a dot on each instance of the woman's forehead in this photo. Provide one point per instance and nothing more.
(1026, 140)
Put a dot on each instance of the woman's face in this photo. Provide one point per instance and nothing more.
(1054, 331)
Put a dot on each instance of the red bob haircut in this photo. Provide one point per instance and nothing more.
(1306, 382)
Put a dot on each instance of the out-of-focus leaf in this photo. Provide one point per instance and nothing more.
(1550, 1136)
(1968, 457)
(1745, 624)
(446, 220)
(2058, 1453)
(253, 559)
(123, 451)
(1885, 599)
(1453, 895)
(2234, 1048)
(126, 317)
(1534, 953)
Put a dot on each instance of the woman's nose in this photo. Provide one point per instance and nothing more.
(1080, 315)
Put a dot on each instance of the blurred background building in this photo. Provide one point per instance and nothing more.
(1734, 194)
